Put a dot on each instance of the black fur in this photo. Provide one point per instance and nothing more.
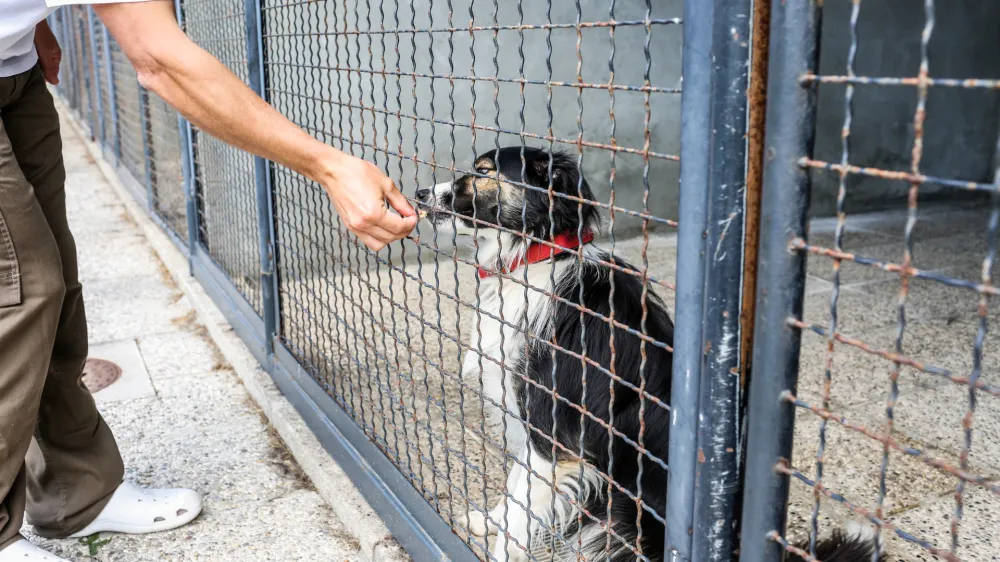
(566, 180)
(616, 403)
(840, 547)
(592, 335)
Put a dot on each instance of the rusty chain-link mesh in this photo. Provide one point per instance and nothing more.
(420, 91)
(224, 175)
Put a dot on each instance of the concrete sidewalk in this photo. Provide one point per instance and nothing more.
(181, 415)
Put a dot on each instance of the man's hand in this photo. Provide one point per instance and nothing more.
(49, 53)
(209, 95)
(359, 191)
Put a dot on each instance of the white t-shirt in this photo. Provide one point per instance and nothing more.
(18, 19)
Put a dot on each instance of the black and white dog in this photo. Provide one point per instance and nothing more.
(568, 413)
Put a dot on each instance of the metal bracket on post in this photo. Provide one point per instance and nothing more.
(102, 138)
(112, 98)
(262, 175)
(781, 277)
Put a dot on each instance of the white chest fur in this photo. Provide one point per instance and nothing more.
(511, 316)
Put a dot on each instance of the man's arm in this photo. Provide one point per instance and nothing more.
(210, 96)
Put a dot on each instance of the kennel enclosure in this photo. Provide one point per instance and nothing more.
(706, 129)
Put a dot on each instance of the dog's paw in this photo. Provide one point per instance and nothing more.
(511, 553)
(478, 525)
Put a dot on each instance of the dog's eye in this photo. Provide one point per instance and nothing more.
(483, 171)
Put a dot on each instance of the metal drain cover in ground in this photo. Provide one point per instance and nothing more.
(99, 374)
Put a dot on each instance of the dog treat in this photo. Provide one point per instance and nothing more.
(422, 214)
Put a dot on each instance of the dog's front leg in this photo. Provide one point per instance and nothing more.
(481, 525)
(529, 508)
(514, 520)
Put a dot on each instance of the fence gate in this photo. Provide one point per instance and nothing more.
(388, 357)
(833, 132)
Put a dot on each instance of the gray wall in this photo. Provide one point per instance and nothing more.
(961, 128)
(303, 92)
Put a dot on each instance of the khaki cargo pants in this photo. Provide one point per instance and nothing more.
(65, 475)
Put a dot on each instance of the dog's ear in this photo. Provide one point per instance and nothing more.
(541, 166)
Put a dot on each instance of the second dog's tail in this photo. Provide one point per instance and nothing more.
(855, 543)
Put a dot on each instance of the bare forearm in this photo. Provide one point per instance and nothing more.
(208, 94)
(214, 99)
(202, 89)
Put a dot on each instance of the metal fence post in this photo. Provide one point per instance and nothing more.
(707, 387)
(689, 298)
(112, 98)
(99, 132)
(262, 176)
(187, 168)
(190, 188)
(146, 148)
(781, 279)
(66, 40)
(72, 31)
(718, 480)
(86, 78)
(67, 66)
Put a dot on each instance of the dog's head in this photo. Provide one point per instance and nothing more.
(510, 188)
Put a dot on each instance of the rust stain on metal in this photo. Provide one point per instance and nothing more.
(912, 81)
(909, 177)
(368, 107)
(757, 106)
(904, 269)
(897, 358)
(701, 455)
(99, 374)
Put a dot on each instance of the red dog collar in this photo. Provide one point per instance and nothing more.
(541, 252)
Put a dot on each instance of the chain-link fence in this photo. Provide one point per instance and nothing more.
(402, 339)
(586, 282)
(137, 132)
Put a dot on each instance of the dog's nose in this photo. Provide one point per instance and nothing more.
(423, 194)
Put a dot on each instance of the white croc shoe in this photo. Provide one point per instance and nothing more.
(134, 510)
(24, 551)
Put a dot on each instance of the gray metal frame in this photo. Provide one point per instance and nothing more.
(116, 145)
(99, 132)
(262, 176)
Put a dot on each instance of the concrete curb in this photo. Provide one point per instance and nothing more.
(333, 485)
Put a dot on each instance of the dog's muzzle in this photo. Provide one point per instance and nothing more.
(431, 202)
